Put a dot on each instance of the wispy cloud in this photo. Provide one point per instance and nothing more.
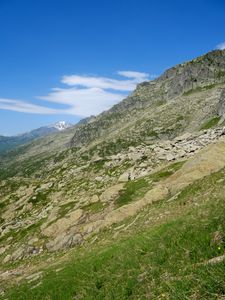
(221, 46)
(133, 74)
(25, 107)
(83, 101)
(107, 83)
(83, 96)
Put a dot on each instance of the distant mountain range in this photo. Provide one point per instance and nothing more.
(9, 142)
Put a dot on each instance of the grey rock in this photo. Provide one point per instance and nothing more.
(63, 241)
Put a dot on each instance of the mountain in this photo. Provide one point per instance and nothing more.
(8, 143)
(128, 204)
(182, 99)
(61, 125)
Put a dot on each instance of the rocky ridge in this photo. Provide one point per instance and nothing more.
(152, 103)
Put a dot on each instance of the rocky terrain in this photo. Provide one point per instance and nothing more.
(140, 165)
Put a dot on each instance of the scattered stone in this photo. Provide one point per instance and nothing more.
(129, 174)
(45, 186)
(215, 260)
(99, 178)
(217, 238)
(184, 136)
(94, 199)
(2, 250)
(170, 157)
(7, 258)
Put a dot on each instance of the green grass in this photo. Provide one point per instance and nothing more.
(27, 167)
(65, 208)
(164, 262)
(136, 189)
(210, 123)
(166, 171)
(180, 118)
(23, 233)
(98, 165)
(151, 133)
(39, 198)
(93, 207)
(109, 147)
(61, 156)
(132, 190)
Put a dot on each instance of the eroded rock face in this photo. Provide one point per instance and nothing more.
(61, 225)
(64, 240)
(204, 71)
(209, 160)
(221, 106)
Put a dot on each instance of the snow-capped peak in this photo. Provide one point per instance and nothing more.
(61, 125)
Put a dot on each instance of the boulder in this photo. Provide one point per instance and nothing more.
(94, 199)
(183, 137)
(2, 250)
(125, 176)
(111, 193)
(64, 240)
(7, 258)
(170, 157)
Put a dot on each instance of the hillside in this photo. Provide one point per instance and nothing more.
(125, 205)
(152, 111)
(8, 143)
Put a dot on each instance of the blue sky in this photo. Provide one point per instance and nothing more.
(67, 59)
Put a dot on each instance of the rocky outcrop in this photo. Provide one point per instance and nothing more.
(61, 225)
(221, 106)
(211, 159)
(200, 74)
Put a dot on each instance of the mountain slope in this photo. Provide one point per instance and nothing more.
(8, 143)
(183, 98)
(175, 246)
(124, 205)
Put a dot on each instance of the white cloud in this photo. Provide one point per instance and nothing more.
(133, 74)
(99, 82)
(105, 82)
(221, 46)
(83, 102)
(22, 106)
(84, 96)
